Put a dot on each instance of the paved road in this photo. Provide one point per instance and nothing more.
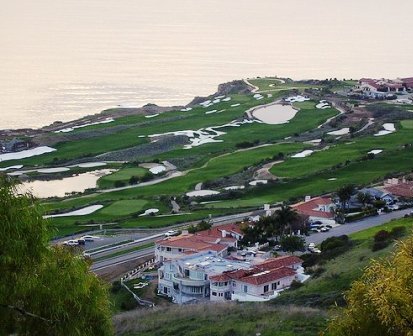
(121, 259)
(349, 228)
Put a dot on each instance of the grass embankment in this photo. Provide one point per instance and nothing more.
(328, 288)
(221, 319)
(123, 176)
(119, 253)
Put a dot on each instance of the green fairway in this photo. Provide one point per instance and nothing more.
(408, 124)
(125, 207)
(122, 175)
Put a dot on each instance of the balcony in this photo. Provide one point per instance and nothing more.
(189, 282)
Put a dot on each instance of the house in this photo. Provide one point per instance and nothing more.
(317, 209)
(218, 239)
(400, 188)
(378, 88)
(15, 145)
(206, 276)
(379, 195)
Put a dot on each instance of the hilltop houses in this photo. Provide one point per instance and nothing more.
(317, 209)
(217, 239)
(381, 88)
(207, 276)
(206, 266)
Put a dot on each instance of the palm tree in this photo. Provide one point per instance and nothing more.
(285, 217)
(344, 194)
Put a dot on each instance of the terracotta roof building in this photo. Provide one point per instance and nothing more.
(318, 209)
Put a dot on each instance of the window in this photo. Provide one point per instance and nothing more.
(220, 294)
(234, 284)
(180, 250)
(245, 289)
(266, 287)
(168, 249)
(187, 273)
(274, 286)
(214, 293)
(165, 290)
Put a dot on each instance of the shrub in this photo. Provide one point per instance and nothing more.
(295, 284)
(116, 286)
(379, 245)
(381, 236)
(398, 231)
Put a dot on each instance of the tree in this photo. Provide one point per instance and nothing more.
(344, 194)
(285, 217)
(381, 302)
(292, 243)
(364, 198)
(44, 290)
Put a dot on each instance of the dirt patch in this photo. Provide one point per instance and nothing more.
(264, 172)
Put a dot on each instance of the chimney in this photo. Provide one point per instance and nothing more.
(224, 233)
(184, 232)
(307, 198)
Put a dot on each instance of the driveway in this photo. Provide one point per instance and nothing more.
(360, 225)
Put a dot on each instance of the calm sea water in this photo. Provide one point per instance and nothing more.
(64, 59)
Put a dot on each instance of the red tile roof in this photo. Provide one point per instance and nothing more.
(311, 208)
(268, 276)
(217, 231)
(191, 242)
(285, 261)
(220, 277)
(401, 189)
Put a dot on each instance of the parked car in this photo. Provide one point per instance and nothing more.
(89, 238)
(71, 242)
(171, 233)
(324, 229)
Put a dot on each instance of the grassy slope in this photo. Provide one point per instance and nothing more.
(341, 271)
(123, 175)
(225, 319)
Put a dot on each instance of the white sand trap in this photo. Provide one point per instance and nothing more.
(81, 212)
(303, 154)
(234, 188)
(323, 105)
(70, 129)
(11, 167)
(269, 95)
(235, 105)
(226, 99)
(210, 112)
(26, 153)
(271, 85)
(157, 169)
(342, 131)
(315, 141)
(186, 109)
(375, 151)
(201, 193)
(220, 97)
(257, 182)
(296, 99)
(216, 101)
(91, 164)
(149, 212)
(53, 170)
(275, 114)
(388, 129)
(332, 179)
(206, 102)
(152, 115)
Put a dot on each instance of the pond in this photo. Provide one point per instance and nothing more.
(59, 188)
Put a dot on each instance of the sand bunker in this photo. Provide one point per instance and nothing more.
(296, 99)
(302, 154)
(234, 188)
(186, 109)
(11, 167)
(257, 182)
(201, 193)
(275, 114)
(81, 212)
(53, 170)
(90, 164)
(157, 169)
(388, 129)
(26, 153)
(235, 105)
(342, 131)
(70, 129)
(323, 104)
(152, 115)
(150, 212)
(375, 151)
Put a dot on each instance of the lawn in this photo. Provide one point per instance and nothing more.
(122, 175)
(408, 124)
(124, 207)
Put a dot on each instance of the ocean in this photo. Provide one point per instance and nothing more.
(61, 60)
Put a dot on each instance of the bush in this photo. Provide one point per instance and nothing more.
(398, 231)
(334, 242)
(379, 245)
(381, 236)
(119, 184)
(129, 303)
(295, 284)
(116, 286)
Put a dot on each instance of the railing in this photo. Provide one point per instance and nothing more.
(136, 273)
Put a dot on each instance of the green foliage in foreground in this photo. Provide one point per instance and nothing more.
(44, 290)
(222, 319)
(381, 302)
